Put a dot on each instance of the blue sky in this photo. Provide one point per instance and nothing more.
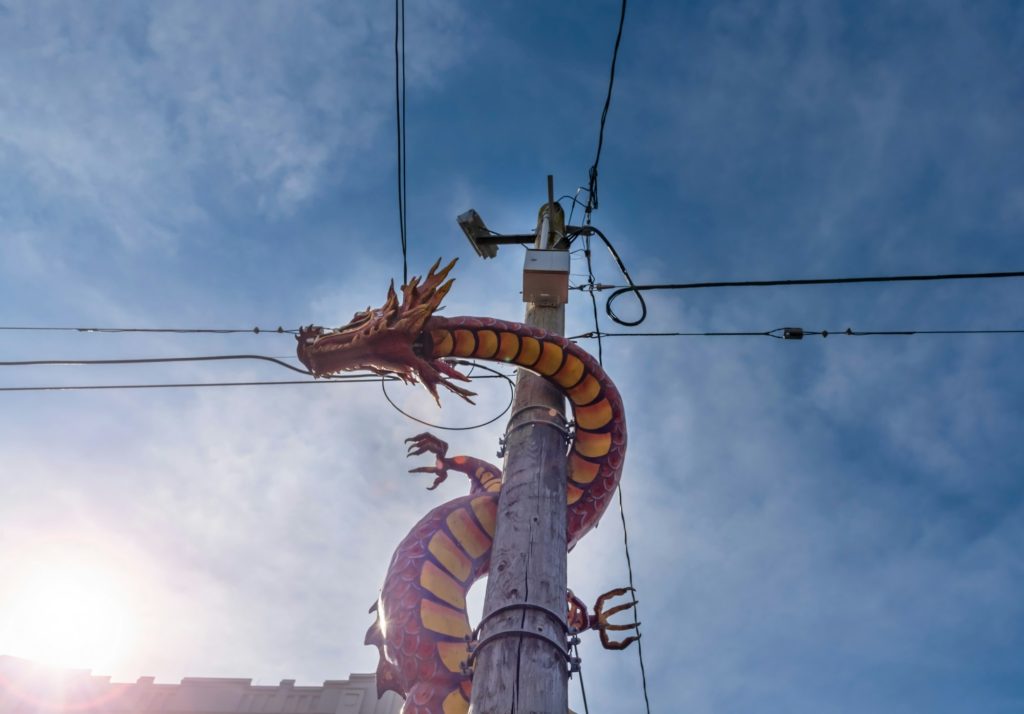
(828, 525)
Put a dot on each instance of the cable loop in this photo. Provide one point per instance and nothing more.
(511, 399)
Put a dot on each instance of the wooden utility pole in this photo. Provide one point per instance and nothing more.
(516, 673)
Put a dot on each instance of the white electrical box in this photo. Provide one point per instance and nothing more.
(546, 277)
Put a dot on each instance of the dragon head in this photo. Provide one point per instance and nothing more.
(384, 340)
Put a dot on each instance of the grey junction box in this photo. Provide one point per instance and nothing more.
(546, 277)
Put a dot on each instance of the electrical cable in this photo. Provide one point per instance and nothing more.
(583, 689)
(781, 333)
(592, 189)
(496, 374)
(145, 360)
(96, 387)
(347, 379)
(400, 130)
(622, 508)
(593, 301)
(618, 291)
(173, 330)
(586, 231)
(636, 614)
(575, 202)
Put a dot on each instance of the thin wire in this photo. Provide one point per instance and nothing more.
(405, 160)
(636, 613)
(849, 332)
(625, 273)
(494, 372)
(852, 333)
(400, 129)
(583, 689)
(593, 301)
(622, 508)
(636, 289)
(812, 281)
(146, 360)
(353, 379)
(93, 387)
(174, 330)
(575, 202)
(592, 189)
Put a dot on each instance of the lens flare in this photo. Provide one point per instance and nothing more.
(66, 608)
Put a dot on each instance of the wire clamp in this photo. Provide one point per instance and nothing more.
(474, 644)
(467, 666)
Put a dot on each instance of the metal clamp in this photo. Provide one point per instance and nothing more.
(550, 410)
(562, 428)
(475, 647)
(554, 616)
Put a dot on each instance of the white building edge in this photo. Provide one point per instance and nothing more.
(30, 688)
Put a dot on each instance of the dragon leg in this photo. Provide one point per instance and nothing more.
(483, 476)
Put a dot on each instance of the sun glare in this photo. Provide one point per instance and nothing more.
(65, 610)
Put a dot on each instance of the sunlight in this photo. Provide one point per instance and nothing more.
(66, 609)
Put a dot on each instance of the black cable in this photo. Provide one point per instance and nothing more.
(400, 129)
(174, 330)
(779, 333)
(405, 161)
(583, 689)
(625, 273)
(852, 333)
(636, 613)
(146, 360)
(622, 509)
(348, 379)
(575, 202)
(637, 289)
(494, 372)
(92, 387)
(592, 189)
(593, 301)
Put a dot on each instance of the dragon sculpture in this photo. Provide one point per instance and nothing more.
(422, 629)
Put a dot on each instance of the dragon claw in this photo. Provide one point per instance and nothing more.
(599, 619)
(442, 474)
(424, 443)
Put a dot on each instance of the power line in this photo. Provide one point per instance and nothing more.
(622, 508)
(619, 290)
(172, 330)
(797, 333)
(400, 130)
(592, 189)
(352, 379)
(592, 286)
(145, 360)
(583, 689)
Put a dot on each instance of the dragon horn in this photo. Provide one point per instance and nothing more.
(392, 301)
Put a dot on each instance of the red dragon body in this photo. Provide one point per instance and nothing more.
(422, 628)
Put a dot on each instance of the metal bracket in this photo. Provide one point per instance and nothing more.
(475, 647)
(564, 648)
(565, 427)
(554, 616)
(562, 429)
